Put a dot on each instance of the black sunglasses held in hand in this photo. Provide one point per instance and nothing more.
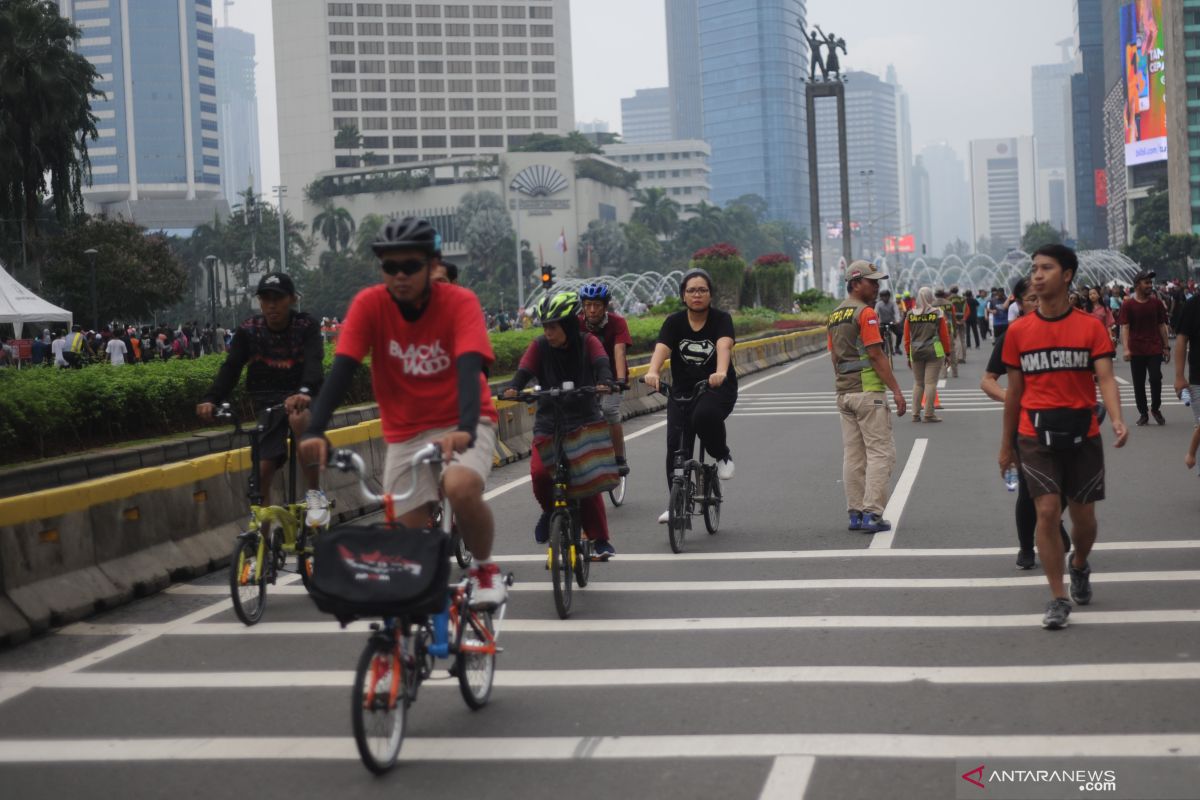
(409, 266)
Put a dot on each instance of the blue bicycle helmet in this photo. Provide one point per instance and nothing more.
(595, 291)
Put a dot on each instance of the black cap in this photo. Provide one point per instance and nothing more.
(276, 282)
(1141, 276)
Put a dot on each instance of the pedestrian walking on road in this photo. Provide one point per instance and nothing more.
(971, 319)
(950, 366)
(862, 376)
(1187, 352)
(1146, 344)
(1054, 357)
(926, 341)
(1026, 512)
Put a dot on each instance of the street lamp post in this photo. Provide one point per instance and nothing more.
(91, 254)
(211, 262)
(280, 193)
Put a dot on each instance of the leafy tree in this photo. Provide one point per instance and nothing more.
(368, 231)
(486, 230)
(573, 142)
(1154, 246)
(137, 273)
(990, 247)
(957, 248)
(644, 253)
(348, 138)
(608, 247)
(46, 88)
(753, 203)
(793, 240)
(1040, 234)
(327, 292)
(335, 226)
(1152, 216)
(656, 211)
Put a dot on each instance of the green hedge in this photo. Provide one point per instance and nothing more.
(47, 412)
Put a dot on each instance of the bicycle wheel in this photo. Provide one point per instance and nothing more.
(583, 560)
(678, 513)
(247, 580)
(461, 554)
(379, 706)
(712, 503)
(304, 555)
(476, 670)
(617, 495)
(560, 562)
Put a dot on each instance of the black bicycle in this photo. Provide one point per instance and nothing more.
(568, 552)
(617, 493)
(695, 486)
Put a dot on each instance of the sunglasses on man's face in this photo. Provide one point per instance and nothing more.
(409, 266)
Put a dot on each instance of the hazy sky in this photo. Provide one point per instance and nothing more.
(964, 63)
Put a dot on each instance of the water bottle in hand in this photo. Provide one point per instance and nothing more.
(1010, 479)
(1186, 396)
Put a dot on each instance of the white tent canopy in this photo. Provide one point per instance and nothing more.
(18, 305)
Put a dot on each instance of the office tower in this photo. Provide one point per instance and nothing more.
(683, 64)
(1003, 190)
(1183, 147)
(949, 198)
(680, 168)
(646, 117)
(753, 56)
(1095, 44)
(237, 113)
(157, 160)
(904, 153)
(920, 207)
(874, 168)
(419, 81)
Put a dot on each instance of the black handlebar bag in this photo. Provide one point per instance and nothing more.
(380, 571)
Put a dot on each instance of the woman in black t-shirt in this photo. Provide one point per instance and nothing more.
(699, 342)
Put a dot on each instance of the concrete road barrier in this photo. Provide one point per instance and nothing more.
(68, 552)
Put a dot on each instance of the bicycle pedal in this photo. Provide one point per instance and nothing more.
(510, 579)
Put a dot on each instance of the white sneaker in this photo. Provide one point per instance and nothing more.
(725, 469)
(488, 587)
(664, 517)
(318, 508)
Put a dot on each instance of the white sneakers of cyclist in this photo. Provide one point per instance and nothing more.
(489, 589)
(317, 515)
(664, 517)
(725, 469)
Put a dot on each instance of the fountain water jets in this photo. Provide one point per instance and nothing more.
(649, 287)
(981, 272)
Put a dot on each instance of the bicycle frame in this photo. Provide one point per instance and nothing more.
(684, 456)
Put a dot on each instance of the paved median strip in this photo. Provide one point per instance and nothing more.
(604, 748)
(586, 679)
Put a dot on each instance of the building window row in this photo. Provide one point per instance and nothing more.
(434, 86)
(434, 11)
(411, 123)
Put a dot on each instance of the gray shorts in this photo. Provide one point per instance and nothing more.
(610, 407)
(397, 476)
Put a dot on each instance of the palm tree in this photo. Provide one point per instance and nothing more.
(335, 226)
(348, 138)
(45, 113)
(657, 211)
(368, 230)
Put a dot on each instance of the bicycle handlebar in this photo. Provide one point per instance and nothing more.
(568, 389)
(668, 391)
(350, 461)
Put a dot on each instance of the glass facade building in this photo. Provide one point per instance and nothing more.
(683, 65)
(753, 56)
(237, 112)
(158, 121)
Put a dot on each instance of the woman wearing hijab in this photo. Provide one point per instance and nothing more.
(564, 353)
(926, 341)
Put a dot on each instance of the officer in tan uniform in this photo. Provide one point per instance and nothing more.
(943, 302)
(862, 376)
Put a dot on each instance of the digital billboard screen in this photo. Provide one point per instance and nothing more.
(1145, 82)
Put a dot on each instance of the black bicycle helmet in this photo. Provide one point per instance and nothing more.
(407, 233)
(695, 273)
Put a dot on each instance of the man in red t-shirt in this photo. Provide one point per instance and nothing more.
(1054, 358)
(613, 332)
(429, 347)
(1146, 342)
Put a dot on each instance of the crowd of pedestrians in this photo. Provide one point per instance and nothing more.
(117, 344)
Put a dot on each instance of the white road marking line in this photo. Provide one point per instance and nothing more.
(788, 779)
(585, 679)
(798, 584)
(895, 507)
(676, 624)
(617, 748)
(901, 552)
(1122, 381)
(941, 384)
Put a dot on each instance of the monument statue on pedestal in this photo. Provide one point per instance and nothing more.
(830, 65)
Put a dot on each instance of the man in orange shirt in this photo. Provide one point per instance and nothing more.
(862, 374)
(1052, 356)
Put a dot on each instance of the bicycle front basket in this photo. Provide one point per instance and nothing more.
(380, 571)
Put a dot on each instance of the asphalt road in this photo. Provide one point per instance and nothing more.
(784, 657)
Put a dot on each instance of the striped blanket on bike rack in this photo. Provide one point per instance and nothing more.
(592, 460)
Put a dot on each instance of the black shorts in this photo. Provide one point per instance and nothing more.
(1078, 474)
(273, 441)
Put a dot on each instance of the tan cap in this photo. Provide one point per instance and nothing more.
(864, 269)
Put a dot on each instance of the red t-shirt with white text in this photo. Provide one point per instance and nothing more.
(1057, 360)
(413, 368)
